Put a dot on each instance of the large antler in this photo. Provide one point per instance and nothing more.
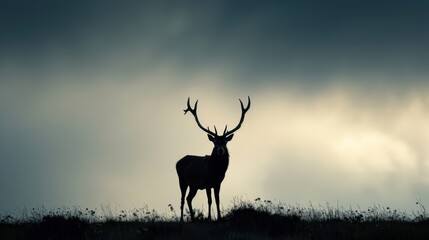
(243, 113)
(194, 112)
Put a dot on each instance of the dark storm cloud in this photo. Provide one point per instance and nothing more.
(307, 40)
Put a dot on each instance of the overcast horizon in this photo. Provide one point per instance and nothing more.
(92, 96)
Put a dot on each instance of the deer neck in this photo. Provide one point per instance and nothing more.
(219, 163)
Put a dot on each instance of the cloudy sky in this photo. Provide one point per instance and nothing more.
(92, 96)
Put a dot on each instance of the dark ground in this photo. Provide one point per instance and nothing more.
(258, 220)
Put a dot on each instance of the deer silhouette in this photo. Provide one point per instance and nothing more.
(206, 172)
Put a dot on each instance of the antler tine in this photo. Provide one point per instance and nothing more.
(248, 105)
(194, 112)
(189, 107)
(208, 128)
(224, 131)
(243, 113)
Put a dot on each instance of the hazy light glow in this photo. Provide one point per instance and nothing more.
(333, 149)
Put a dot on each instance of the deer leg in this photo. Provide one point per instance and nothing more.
(183, 188)
(191, 195)
(216, 193)
(209, 199)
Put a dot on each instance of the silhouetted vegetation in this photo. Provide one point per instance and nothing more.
(259, 219)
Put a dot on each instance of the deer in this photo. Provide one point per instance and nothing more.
(206, 172)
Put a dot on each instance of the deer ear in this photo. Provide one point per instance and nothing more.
(229, 138)
(211, 138)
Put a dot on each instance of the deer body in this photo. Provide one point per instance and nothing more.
(205, 172)
(202, 172)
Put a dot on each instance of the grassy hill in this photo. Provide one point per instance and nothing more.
(244, 220)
